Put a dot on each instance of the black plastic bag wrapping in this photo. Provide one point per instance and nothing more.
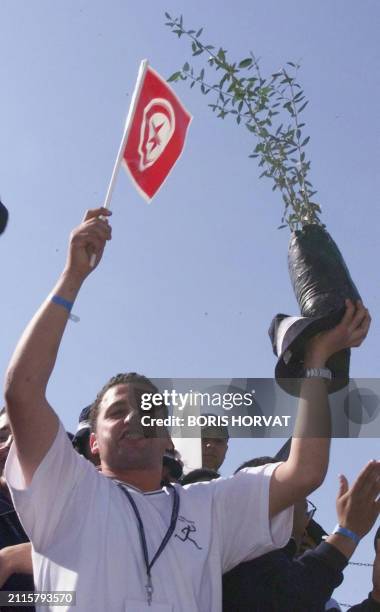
(319, 275)
(321, 283)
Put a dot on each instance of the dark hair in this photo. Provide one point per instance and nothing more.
(79, 442)
(138, 380)
(256, 462)
(199, 475)
(173, 465)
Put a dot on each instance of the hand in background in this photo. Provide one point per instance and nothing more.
(15, 559)
(88, 239)
(357, 507)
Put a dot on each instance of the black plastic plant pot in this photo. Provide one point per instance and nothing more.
(321, 283)
(319, 275)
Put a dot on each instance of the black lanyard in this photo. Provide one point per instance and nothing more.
(167, 536)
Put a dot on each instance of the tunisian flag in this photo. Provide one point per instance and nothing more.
(155, 132)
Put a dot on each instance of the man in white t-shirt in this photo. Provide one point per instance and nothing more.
(116, 538)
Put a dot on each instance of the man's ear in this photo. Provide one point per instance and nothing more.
(94, 444)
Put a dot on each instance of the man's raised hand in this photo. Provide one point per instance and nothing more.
(350, 332)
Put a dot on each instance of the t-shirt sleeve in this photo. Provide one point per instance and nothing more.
(55, 483)
(241, 509)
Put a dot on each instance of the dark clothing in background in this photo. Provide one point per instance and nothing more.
(278, 582)
(368, 605)
(11, 533)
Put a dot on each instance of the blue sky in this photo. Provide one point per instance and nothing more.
(190, 283)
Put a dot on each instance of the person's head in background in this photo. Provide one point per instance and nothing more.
(81, 440)
(199, 475)
(3, 217)
(303, 510)
(214, 440)
(172, 465)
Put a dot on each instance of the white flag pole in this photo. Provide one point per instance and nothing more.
(128, 123)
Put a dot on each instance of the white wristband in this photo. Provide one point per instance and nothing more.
(318, 373)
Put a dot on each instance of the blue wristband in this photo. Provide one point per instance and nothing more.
(347, 533)
(57, 299)
(60, 301)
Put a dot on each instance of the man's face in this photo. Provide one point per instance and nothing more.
(119, 438)
(213, 452)
(5, 441)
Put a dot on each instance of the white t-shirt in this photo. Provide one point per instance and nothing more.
(85, 536)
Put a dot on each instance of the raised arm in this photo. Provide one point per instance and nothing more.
(34, 423)
(307, 464)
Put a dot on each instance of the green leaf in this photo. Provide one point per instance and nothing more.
(245, 62)
(174, 77)
(221, 55)
(305, 141)
(303, 106)
(199, 33)
(186, 67)
(167, 16)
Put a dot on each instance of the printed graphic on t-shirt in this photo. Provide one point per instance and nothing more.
(188, 532)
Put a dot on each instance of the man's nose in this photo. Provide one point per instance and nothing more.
(132, 417)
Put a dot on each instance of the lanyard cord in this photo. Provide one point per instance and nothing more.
(167, 536)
